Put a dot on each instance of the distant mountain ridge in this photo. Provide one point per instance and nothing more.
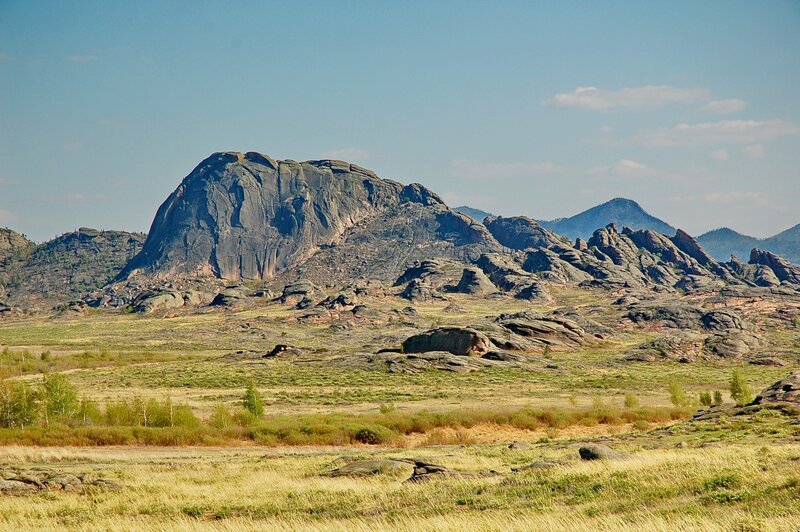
(724, 242)
(621, 211)
(476, 214)
(62, 269)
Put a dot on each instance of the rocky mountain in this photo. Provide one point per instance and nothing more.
(724, 242)
(13, 244)
(475, 214)
(248, 216)
(620, 211)
(64, 268)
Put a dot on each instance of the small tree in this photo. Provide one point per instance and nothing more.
(60, 398)
(740, 391)
(676, 394)
(252, 400)
(19, 407)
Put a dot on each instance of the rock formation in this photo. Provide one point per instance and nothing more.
(248, 216)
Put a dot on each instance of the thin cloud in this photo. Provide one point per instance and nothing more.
(724, 132)
(719, 155)
(483, 170)
(754, 151)
(346, 154)
(72, 146)
(724, 107)
(4, 57)
(6, 181)
(622, 169)
(736, 197)
(648, 96)
(81, 58)
(78, 198)
(7, 217)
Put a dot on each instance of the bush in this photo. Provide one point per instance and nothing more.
(252, 400)
(717, 397)
(18, 405)
(676, 394)
(740, 391)
(705, 399)
(374, 435)
(60, 398)
(631, 401)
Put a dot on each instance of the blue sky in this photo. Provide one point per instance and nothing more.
(535, 108)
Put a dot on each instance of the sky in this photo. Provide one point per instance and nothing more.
(540, 108)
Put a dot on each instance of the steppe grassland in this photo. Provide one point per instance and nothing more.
(720, 488)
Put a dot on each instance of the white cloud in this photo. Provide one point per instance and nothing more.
(7, 216)
(724, 107)
(719, 155)
(724, 132)
(80, 58)
(4, 57)
(482, 170)
(624, 168)
(606, 129)
(730, 198)
(346, 154)
(754, 151)
(78, 198)
(648, 96)
(72, 146)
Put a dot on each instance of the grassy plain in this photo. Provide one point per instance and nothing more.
(734, 473)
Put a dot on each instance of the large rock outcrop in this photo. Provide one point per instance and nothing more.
(65, 268)
(248, 216)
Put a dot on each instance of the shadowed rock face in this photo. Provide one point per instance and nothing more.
(247, 216)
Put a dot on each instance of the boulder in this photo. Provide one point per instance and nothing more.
(785, 392)
(367, 468)
(596, 451)
(455, 340)
(153, 300)
(474, 281)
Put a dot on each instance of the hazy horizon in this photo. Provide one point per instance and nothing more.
(547, 110)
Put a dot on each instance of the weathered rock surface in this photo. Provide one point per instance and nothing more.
(455, 340)
(784, 392)
(474, 281)
(520, 232)
(366, 468)
(19, 481)
(596, 451)
(782, 269)
(248, 216)
(63, 269)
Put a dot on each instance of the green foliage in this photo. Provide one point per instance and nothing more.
(717, 397)
(18, 405)
(221, 418)
(631, 401)
(387, 408)
(59, 398)
(252, 400)
(705, 399)
(374, 435)
(739, 389)
(676, 394)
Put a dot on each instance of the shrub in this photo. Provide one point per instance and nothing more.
(705, 399)
(631, 401)
(717, 397)
(18, 405)
(740, 391)
(676, 394)
(374, 435)
(221, 418)
(252, 400)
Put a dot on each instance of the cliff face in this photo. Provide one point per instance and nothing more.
(248, 216)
